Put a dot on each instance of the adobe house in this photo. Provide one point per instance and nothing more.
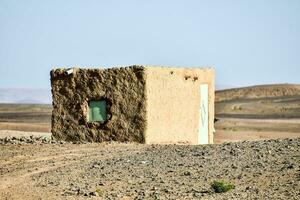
(152, 105)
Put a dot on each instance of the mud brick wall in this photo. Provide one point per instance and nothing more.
(122, 88)
(173, 104)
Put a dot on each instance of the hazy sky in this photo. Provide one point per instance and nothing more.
(248, 42)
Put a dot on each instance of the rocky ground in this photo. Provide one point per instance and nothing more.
(43, 169)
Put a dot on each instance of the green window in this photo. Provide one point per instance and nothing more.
(97, 111)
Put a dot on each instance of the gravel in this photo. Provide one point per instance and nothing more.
(267, 169)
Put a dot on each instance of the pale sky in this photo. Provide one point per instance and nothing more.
(248, 42)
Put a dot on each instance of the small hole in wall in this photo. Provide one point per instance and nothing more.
(187, 77)
(171, 72)
(195, 78)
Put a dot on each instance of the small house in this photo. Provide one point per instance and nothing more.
(144, 104)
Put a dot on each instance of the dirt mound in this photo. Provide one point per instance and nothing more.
(259, 91)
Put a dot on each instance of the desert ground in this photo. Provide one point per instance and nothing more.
(256, 113)
(259, 170)
(25, 117)
(257, 150)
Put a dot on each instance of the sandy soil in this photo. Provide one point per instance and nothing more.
(25, 134)
(233, 130)
(229, 136)
(259, 170)
(25, 126)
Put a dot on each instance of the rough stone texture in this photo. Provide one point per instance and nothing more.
(124, 90)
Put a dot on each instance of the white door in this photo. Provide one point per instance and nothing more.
(203, 120)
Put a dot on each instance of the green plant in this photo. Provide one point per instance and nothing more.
(100, 192)
(220, 186)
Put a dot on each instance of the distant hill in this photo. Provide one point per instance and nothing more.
(21, 96)
(262, 101)
(259, 91)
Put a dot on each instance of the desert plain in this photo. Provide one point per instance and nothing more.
(257, 149)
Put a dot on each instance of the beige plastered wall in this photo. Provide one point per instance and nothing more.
(173, 104)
